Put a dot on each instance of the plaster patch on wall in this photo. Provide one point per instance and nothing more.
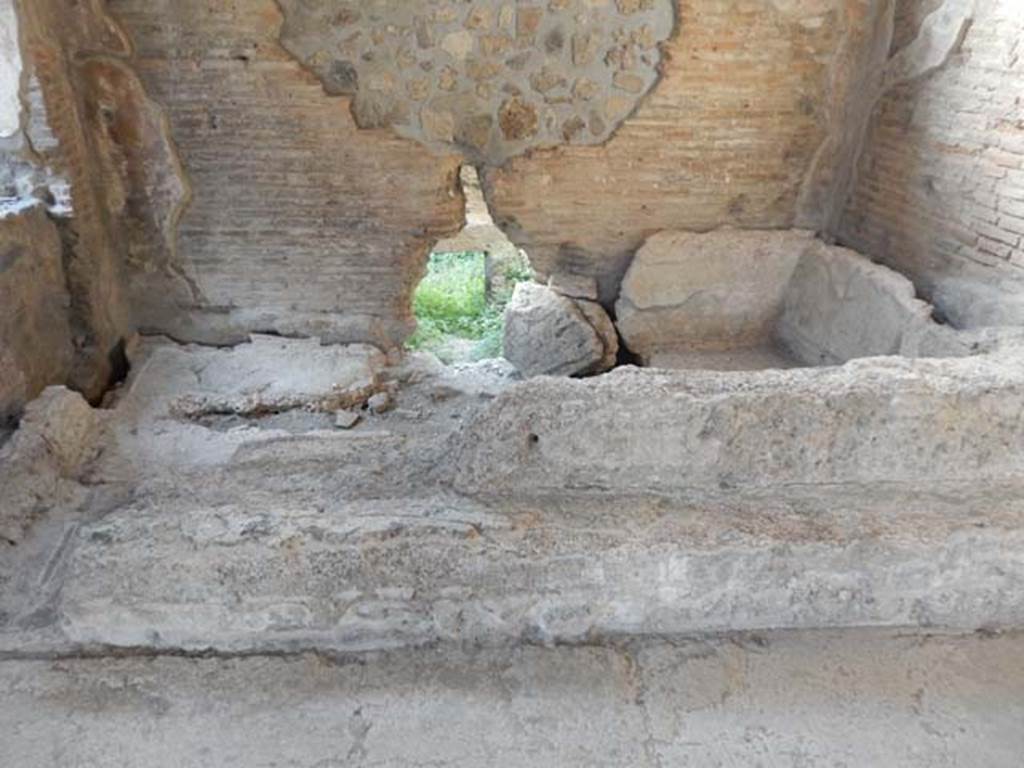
(490, 78)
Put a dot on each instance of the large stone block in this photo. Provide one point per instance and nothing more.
(714, 291)
(840, 306)
(550, 334)
(634, 431)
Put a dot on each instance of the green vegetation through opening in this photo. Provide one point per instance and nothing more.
(457, 321)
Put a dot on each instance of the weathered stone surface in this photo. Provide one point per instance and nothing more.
(244, 569)
(35, 335)
(487, 78)
(40, 463)
(270, 374)
(868, 495)
(875, 494)
(176, 391)
(940, 700)
(574, 286)
(839, 306)
(635, 431)
(547, 334)
(715, 291)
(345, 419)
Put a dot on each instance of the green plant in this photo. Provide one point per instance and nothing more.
(451, 304)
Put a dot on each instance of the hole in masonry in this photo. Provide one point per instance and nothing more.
(460, 303)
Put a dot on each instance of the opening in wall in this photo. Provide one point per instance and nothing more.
(460, 303)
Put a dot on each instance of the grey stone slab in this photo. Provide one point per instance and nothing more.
(817, 700)
(878, 420)
(260, 574)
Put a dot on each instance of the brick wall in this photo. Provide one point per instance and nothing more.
(298, 222)
(940, 188)
(301, 223)
(728, 137)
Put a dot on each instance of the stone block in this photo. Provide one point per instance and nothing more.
(547, 334)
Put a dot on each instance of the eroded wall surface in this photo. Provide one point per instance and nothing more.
(298, 222)
(940, 184)
(302, 222)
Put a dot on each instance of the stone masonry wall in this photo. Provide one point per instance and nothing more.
(940, 190)
(301, 222)
(489, 78)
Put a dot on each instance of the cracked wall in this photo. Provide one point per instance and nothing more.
(302, 223)
(222, 183)
(939, 193)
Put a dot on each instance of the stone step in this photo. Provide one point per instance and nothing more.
(856, 698)
(264, 574)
